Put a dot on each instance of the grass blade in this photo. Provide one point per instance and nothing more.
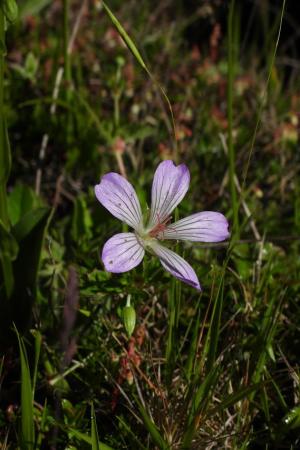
(27, 422)
(94, 430)
(133, 48)
(127, 39)
(231, 153)
(37, 351)
(152, 429)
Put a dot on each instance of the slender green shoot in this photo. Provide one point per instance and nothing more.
(94, 430)
(5, 165)
(262, 103)
(134, 50)
(231, 151)
(27, 410)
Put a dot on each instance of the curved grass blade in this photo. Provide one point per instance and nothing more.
(126, 38)
(134, 50)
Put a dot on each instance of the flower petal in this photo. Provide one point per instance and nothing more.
(117, 195)
(176, 265)
(206, 226)
(122, 252)
(170, 184)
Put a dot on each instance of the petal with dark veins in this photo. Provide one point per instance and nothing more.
(117, 195)
(170, 184)
(176, 265)
(122, 253)
(206, 226)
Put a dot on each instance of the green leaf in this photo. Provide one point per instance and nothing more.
(29, 70)
(9, 246)
(21, 200)
(10, 9)
(25, 269)
(32, 7)
(27, 422)
(31, 65)
(81, 220)
(28, 222)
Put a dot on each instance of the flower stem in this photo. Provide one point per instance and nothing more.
(231, 151)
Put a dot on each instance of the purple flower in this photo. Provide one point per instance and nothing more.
(124, 251)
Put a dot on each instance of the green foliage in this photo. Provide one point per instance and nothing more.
(10, 9)
(29, 70)
(174, 369)
(28, 234)
(27, 396)
(32, 7)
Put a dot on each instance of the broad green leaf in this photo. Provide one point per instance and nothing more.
(21, 200)
(25, 269)
(10, 9)
(28, 222)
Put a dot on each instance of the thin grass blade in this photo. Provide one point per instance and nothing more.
(94, 430)
(27, 412)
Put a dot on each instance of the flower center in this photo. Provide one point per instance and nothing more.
(159, 228)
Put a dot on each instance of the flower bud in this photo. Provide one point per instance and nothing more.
(129, 317)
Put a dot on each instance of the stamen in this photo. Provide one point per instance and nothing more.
(159, 228)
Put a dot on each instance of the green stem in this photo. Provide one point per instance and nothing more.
(67, 61)
(67, 67)
(231, 151)
(6, 264)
